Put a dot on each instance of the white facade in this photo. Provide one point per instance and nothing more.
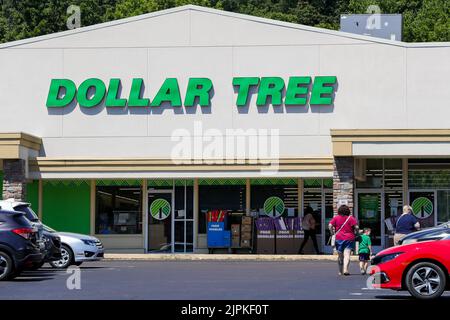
(381, 84)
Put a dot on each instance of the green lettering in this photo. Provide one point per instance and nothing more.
(135, 99)
(297, 91)
(244, 84)
(96, 98)
(113, 91)
(198, 87)
(323, 86)
(169, 91)
(53, 100)
(270, 87)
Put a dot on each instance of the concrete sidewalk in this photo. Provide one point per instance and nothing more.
(219, 257)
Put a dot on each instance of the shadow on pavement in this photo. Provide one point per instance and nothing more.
(36, 274)
(20, 279)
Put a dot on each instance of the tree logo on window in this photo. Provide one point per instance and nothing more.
(274, 207)
(422, 207)
(160, 209)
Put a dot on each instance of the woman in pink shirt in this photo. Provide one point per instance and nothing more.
(344, 226)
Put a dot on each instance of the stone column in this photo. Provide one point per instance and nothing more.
(14, 181)
(343, 182)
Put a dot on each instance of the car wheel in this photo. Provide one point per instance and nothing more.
(6, 266)
(426, 281)
(66, 258)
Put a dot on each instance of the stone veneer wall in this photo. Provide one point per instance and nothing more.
(343, 182)
(14, 182)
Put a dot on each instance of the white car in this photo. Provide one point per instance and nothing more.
(76, 248)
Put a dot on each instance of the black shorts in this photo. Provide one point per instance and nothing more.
(364, 257)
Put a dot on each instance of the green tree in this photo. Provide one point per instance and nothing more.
(423, 20)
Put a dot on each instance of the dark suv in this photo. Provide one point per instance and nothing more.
(18, 244)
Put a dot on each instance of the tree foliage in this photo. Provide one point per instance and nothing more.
(423, 20)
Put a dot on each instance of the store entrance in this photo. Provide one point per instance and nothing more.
(370, 214)
(160, 215)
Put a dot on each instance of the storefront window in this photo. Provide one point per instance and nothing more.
(287, 193)
(118, 210)
(373, 177)
(219, 197)
(443, 206)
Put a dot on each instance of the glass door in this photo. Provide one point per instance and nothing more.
(329, 214)
(370, 214)
(183, 219)
(160, 213)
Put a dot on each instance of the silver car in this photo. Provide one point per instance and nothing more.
(77, 248)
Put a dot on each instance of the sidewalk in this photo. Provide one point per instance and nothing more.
(219, 257)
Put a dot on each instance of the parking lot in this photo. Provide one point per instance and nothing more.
(216, 280)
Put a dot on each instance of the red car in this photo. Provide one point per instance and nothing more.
(422, 267)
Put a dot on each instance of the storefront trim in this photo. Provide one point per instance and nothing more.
(361, 142)
(12, 145)
(166, 168)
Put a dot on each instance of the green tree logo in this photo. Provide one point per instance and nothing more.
(274, 207)
(160, 209)
(422, 207)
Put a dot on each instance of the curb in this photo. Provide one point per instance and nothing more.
(221, 257)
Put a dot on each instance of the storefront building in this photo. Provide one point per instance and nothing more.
(115, 129)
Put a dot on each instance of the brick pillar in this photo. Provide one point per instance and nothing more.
(343, 181)
(14, 182)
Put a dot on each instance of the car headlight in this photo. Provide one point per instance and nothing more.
(385, 258)
(88, 242)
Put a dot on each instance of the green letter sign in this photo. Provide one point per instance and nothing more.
(112, 99)
(91, 92)
(244, 84)
(169, 91)
(198, 87)
(55, 87)
(96, 98)
(135, 94)
(270, 87)
(297, 91)
(323, 86)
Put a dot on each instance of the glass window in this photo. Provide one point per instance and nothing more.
(393, 173)
(313, 199)
(118, 210)
(219, 197)
(287, 193)
(374, 174)
(443, 201)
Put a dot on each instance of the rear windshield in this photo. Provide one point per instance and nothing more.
(22, 221)
(29, 213)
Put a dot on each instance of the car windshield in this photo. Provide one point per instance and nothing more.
(48, 229)
(29, 213)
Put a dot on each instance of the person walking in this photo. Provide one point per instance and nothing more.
(405, 224)
(344, 227)
(309, 227)
(364, 250)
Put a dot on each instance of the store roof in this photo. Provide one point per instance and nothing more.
(192, 25)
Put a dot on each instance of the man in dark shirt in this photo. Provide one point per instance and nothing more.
(405, 224)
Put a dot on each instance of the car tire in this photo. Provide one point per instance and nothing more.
(426, 281)
(6, 266)
(66, 258)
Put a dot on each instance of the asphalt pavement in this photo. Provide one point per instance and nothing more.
(195, 280)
